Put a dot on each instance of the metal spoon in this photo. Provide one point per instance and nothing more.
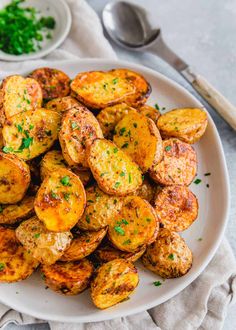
(129, 26)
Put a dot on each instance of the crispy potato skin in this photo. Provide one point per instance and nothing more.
(108, 253)
(52, 161)
(139, 137)
(114, 171)
(186, 124)
(100, 209)
(169, 256)
(176, 207)
(45, 246)
(147, 190)
(78, 130)
(16, 263)
(19, 94)
(109, 117)
(179, 164)
(83, 245)
(14, 178)
(1, 139)
(31, 133)
(60, 200)
(99, 89)
(150, 112)
(84, 174)
(13, 213)
(62, 104)
(68, 278)
(54, 83)
(114, 282)
(134, 226)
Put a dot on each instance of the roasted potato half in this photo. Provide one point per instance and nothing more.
(16, 263)
(69, 278)
(186, 124)
(113, 283)
(179, 164)
(83, 245)
(147, 190)
(114, 171)
(13, 213)
(99, 89)
(100, 209)
(169, 256)
(135, 225)
(31, 133)
(14, 178)
(176, 207)
(78, 130)
(138, 136)
(51, 162)
(109, 117)
(62, 104)
(54, 83)
(19, 94)
(45, 246)
(60, 200)
(150, 112)
(108, 253)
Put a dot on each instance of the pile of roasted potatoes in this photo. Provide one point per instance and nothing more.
(92, 179)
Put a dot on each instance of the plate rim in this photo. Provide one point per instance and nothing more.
(211, 252)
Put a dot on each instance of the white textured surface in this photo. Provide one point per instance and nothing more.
(204, 34)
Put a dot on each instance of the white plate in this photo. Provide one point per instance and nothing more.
(61, 13)
(31, 297)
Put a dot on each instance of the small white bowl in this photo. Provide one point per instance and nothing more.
(60, 11)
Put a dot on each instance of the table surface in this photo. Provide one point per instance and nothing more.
(204, 34)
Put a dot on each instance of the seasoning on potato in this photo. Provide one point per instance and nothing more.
(60, 200)
(138, 136)
(150, 112)
(113, 283)
(100, 89)
(185, 124)
(114, 171)
(78, 130)
(52, 161)
(169, 256)
(62, 104)
(14, 178)
(135, 225)
(176, 207)
(16, 263)
(179, 164)
(68, 278)
(45, 246)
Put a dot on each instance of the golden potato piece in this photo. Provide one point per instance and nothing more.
(109, 117)
(11, 214)
(169, 256)
(176, 207)
(54, 83)
(139, 137)
(31, 133)
(100, 209)
(62, 104)
(146, 191)
(150, 112)
(69, 278)
(134, 226)
(108, 253)
(99, 89)
(14, 178)
(78, 130)
(186, 124)
(51, 162)
(114, 171)
(19, 94)
(84, 174)
(113, 283)
(83, 245)
(1, 139)
(179, 164)
(16, 263)
(60, 200)
(45, 246)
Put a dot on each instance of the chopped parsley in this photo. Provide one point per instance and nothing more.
(168, 148)
(148, 219)
(117, 184)
(115, 80)
(119, 230)
(102, 174)
(157, 283)
(26, 142)
(197, 181)
(2, 266)
(87, 218)
(115, 150)
(54, 195)
(65, 181)
(1, 209)
(128, 241)
(37, 235)
(156, 106)
(122, 131)
(19, 128)
(143, 177)
(125, 145)
(130, 178)
(122, 173)
(171, 256)
(66, 196)
(74, 125)
(31, 127)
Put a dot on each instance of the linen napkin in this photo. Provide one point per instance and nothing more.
(203, 304)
